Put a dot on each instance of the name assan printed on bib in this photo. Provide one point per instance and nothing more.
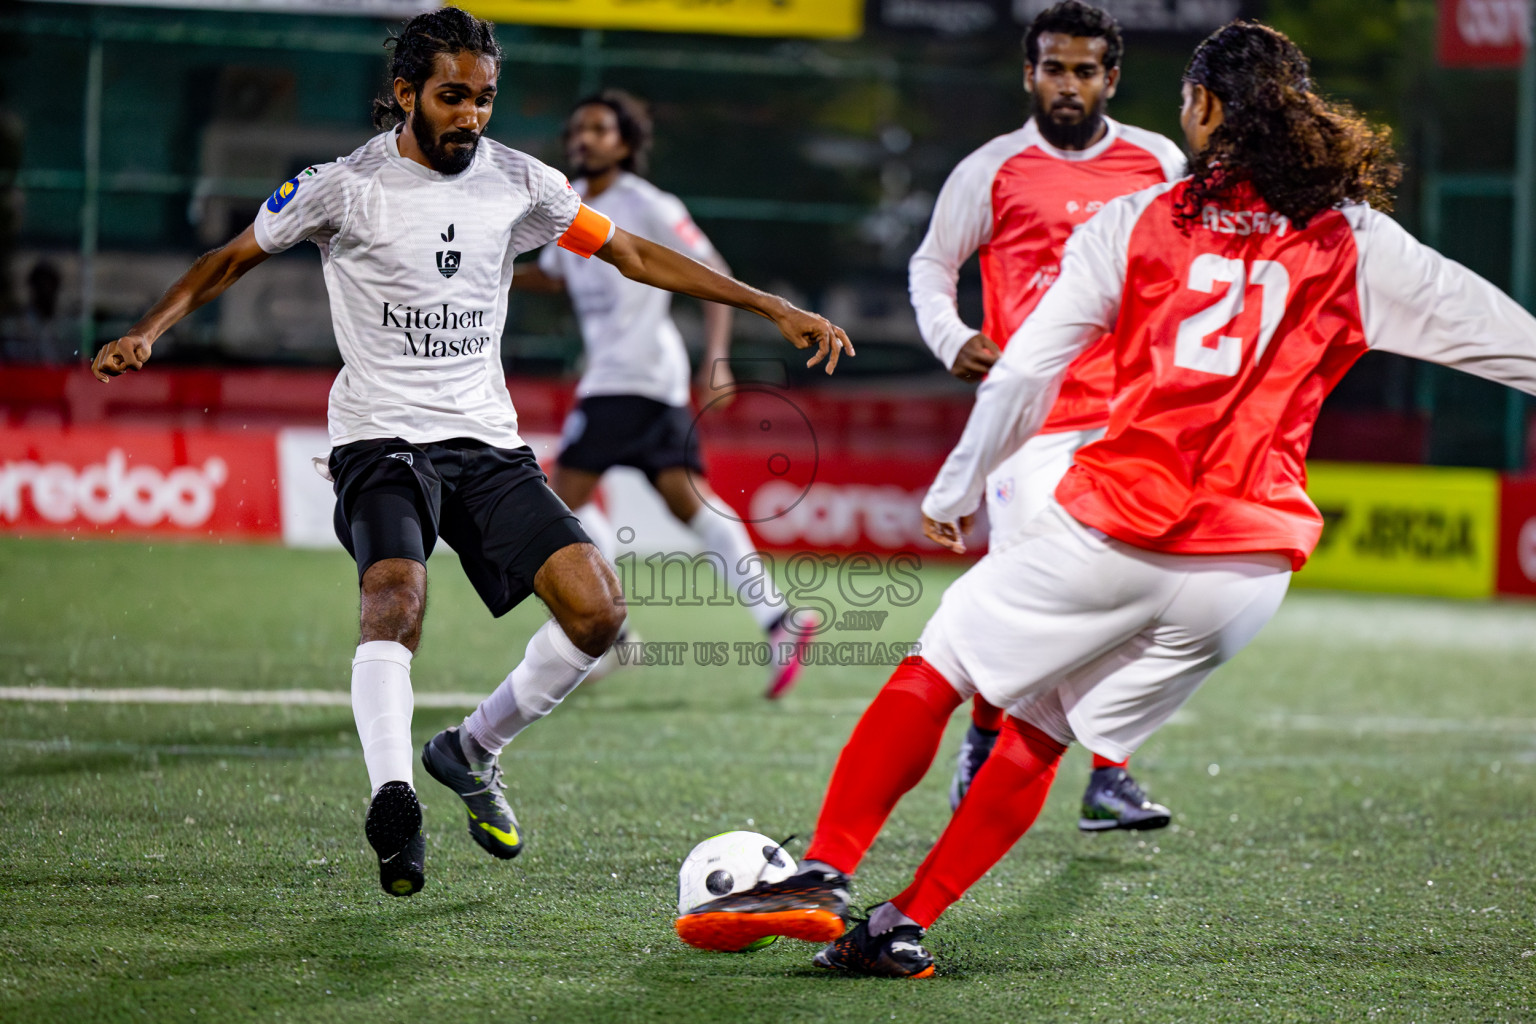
(1243, 222)
(417, 326)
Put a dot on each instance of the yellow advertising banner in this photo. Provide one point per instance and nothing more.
(832, 19)
(1408, 529)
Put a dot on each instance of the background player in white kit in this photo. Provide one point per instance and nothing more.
(632, 407)
(1017, 199)
(417, 231)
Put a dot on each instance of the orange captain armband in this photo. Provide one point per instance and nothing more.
(588, 233)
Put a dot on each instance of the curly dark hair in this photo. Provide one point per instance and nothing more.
(1073, 18)
(414, 52)
(1302, 153)
(634, 124)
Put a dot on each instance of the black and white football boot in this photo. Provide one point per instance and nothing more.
(1114, 800)
(897, 953)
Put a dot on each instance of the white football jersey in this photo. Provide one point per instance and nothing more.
(633, 347)
(418, 265)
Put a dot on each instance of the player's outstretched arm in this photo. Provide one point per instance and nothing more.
(1416, 302)
(656, 265)
(203, 282)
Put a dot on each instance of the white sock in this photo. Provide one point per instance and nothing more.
(552, 666)
(600, 528)
(381, 706)
(728, 539)
(885, 917)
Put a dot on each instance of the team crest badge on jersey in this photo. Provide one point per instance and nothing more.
(284, 193)
(1002, 493)
(448, 259)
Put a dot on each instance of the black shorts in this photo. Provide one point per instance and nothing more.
(629, 430)
(492, 505)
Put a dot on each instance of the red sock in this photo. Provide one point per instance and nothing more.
(1099, 761)
(889, 752)
(985, 716)
(1002, 803)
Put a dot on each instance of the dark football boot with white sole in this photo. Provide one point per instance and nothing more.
(897, 953)
(491, 821)
(1114, 800)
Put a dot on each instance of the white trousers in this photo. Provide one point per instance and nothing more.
(1091, 639)
(1024, 484)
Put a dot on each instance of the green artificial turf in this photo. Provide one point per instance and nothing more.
(1353, 836)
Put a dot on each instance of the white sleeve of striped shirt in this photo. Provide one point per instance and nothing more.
(671, 225)
(961, 224)
(1416, 302)
(311, 205)
(1015, 399)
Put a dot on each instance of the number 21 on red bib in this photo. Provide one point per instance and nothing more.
(1225, 357)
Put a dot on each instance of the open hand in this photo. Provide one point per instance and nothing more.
(806, 329)
(129, 352)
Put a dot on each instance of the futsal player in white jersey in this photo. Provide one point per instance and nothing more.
(417, 232)
(632, 401)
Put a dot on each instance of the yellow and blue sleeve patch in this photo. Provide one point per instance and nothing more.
(285, 191)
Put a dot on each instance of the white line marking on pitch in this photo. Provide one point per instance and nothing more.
(177, 695)
(68, 746)
(1358, 724)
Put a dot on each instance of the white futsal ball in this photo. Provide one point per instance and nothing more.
(727, 863)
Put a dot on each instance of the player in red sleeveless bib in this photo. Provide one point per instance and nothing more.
(1016, 200)
(1239, 297)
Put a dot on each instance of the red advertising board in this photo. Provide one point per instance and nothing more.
(854, 504)
(1517, 536)
(797, 482)
(1483, 33)
(139, 482)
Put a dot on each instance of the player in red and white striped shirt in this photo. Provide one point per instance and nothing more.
(1239, 297)
(1017, 199)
